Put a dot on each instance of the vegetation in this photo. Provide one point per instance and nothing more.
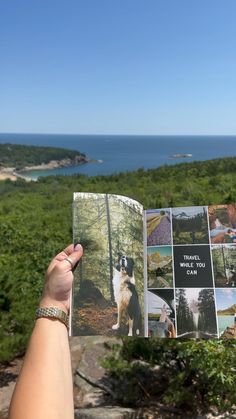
(189, 377)
(36, 223)
(19, 156)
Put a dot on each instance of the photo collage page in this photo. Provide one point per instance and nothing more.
(191, 272)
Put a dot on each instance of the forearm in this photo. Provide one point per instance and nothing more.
(44, 389)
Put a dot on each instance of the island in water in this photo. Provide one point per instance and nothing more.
(180, 156)
(17, 158)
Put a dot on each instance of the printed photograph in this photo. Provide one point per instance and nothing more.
(192, 266)
(190, 225)
(196, 313)
(158, 227)
(226, 312)
(159, 267)
(108, 287)
(161, 314)
(222, 220)
(224, 265)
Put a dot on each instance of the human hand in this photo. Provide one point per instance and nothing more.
(59, 278)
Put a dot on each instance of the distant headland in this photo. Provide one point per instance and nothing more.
(17, 159)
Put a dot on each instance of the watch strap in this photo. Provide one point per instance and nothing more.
(52, 313)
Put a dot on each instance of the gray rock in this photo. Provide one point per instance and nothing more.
(108, 412)
(86, 354)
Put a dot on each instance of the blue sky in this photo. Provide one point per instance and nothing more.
(225, 298)
(121, 67)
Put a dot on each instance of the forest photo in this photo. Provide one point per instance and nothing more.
(159, 267)
(224, 265)
(158, 227)
(161, 313)
(190, 225)
(222, 220)
(195, 313)
(110, 227)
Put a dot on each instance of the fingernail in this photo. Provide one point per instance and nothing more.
(77, 247)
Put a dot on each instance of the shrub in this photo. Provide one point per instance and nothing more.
(190, 375)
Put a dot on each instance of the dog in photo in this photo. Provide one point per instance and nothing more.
(126, 296)
(230, 275)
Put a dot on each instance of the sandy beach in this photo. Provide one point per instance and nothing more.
(12, 174)
(4, 176)
(9, 173)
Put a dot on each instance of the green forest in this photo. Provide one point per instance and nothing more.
(36, 223)
(19, 156)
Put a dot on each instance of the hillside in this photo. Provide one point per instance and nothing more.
(228, 311)
(36, 222)
(20, 156)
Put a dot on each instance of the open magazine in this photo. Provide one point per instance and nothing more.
(167, 273)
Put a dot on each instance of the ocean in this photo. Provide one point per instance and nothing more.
(122, 153)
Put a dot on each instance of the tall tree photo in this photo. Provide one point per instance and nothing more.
(107, 226)
(207, 316)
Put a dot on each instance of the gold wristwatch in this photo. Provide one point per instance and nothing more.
(53, 313)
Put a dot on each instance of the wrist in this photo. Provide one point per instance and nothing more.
(50, 302)
(52, 313)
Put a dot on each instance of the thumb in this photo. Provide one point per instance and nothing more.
(74, 257)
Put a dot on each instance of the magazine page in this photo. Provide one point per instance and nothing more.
(108, 291)
(191, 271)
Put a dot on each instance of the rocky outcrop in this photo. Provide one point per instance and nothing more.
(107, 412)
(229, 333)
(8, 376)
(55, 164)
(86, 354)
(91, 401)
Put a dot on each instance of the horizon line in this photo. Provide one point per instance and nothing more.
(118, 135)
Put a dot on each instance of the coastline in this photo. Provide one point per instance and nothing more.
(124, 153)
(6, 174)
(13, 173)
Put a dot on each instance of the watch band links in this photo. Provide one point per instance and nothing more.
(53, 313)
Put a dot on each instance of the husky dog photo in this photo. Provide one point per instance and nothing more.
(108, 292)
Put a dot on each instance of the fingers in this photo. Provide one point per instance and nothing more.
(74, 255)
(75, 251)
(69, 249)
(66, 252)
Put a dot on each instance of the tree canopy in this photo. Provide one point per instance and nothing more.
(19, 156)
(36, 223)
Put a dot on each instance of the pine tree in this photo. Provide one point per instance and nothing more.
(207, 318)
